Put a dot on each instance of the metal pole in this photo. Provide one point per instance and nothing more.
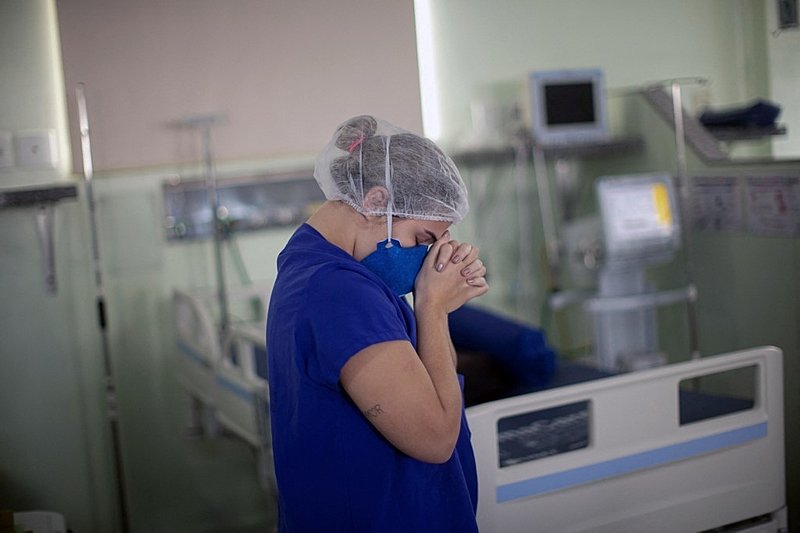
(218, 212)
(112, 406)
(685, 199)
(680, 139)
(213, 200)
(525, 303)
(547, 213)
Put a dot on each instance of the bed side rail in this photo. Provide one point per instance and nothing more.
(620, 454)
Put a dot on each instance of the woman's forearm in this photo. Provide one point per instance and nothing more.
(438, 356)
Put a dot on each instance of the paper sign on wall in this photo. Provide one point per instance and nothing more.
(773, 205)
(716, 204)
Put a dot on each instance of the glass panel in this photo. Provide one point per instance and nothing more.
(719, 394)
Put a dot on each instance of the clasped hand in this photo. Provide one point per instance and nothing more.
(451, 275)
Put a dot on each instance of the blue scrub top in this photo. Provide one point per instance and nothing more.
(335, 471)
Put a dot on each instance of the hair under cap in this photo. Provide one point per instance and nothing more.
(421, 181)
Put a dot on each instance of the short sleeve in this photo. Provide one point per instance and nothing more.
(346, 312)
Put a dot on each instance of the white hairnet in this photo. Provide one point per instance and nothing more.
(366, 152)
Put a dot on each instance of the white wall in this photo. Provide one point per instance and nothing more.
(784, 76)
(31, 83)
(482, 47)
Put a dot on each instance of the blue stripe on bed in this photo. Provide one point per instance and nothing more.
(239, 391)
(629, 464)
(192, 354)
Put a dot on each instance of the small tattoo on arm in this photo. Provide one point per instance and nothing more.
(373, 411)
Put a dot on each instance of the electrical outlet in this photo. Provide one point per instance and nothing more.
(36, 149)
(6, 150)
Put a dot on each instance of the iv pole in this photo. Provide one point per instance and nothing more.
(684, 202)
(218, 212)
(112, 406)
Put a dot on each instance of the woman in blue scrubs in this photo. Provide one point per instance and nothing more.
(368, 424)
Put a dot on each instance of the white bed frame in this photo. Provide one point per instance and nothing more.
(225, 391)
(642, 471)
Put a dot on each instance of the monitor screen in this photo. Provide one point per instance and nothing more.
(568, 106)
(569, 103)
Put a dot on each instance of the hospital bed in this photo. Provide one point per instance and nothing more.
(571, 448)
(225, 376)
(644, 451)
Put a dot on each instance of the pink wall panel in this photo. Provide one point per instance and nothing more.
(284, 72)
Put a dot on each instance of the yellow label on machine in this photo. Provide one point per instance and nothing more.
(661, 201)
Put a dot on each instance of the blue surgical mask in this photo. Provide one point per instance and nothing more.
(396, 266)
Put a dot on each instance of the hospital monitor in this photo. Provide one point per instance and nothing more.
(568, 106)
(640, 220)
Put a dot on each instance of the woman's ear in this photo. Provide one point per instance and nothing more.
(376, 199)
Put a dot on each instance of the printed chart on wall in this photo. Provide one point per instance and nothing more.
(716, 204)
(773, 205)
